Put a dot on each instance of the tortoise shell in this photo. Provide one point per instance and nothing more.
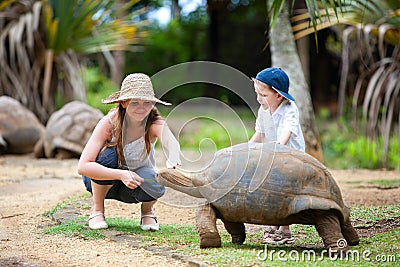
(20, 129)
(68, 130)
(261, 184)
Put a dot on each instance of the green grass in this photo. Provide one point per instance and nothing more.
(210, 135)
(76, 227)
(209, 129)
(184, 240)
(385, 183)
(380, 183)
(368, 216)
(77, 202)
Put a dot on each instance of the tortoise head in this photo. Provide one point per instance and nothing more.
(179, 181)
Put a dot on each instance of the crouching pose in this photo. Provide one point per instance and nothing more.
(118, 160)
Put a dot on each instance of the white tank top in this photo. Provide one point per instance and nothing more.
(136, 156)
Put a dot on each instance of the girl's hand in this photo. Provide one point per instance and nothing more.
(131, 179)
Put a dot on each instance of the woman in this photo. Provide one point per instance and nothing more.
(119, 155)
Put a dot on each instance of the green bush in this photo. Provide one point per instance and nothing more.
(215, 134)
(344, 148)
(98, 87)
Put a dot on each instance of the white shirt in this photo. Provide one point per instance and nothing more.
(285, 117)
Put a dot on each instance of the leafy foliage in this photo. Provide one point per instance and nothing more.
(93, 26)
(41, 40)
(345, 148)
(98, 87)
(182, 40)
(377, 88)
(370, 53)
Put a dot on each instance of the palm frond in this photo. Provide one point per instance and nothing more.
(40, 41)
(377, 87)
(373, 30)
(354, 12)
(89, 26)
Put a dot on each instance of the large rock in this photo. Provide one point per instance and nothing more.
(20, 129)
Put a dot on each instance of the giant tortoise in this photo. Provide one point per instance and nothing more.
(67, 131)
(20, 129)
(266, 184)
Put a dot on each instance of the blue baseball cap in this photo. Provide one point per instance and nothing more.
(277, 79)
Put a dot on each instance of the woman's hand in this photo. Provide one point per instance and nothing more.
(131, 179)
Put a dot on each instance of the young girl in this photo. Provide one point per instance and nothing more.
(277, 121)
(119, 155)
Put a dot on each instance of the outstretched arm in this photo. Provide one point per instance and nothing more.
(168, 141)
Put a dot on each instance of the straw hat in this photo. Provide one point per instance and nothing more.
(134, 86)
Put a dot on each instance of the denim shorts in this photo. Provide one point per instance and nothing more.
(149, 190)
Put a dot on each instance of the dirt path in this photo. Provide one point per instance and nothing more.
(30, 187)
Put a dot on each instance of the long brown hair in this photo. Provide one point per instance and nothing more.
(117, 126)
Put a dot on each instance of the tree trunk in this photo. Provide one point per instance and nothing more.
(175, 10)
(117, 69)
(118, 63)
(48, 70)
(284, 54)
(216, 10)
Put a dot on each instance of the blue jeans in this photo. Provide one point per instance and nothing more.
(149, 190)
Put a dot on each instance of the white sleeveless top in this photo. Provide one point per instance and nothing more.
(136, 156)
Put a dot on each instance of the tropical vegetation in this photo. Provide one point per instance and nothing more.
(41, 43)
(370, 72)
(46, 45)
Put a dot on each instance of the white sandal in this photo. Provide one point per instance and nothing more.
(97, 225)
(149, 227)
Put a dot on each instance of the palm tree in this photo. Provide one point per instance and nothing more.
(41, 43)
(376, 25)
(373, 30)
(284, 54)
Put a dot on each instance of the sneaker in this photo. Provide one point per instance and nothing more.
(269, 235)
(281, 237)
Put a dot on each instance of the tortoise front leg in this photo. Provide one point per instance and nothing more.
(207, 227)
(236, 230)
